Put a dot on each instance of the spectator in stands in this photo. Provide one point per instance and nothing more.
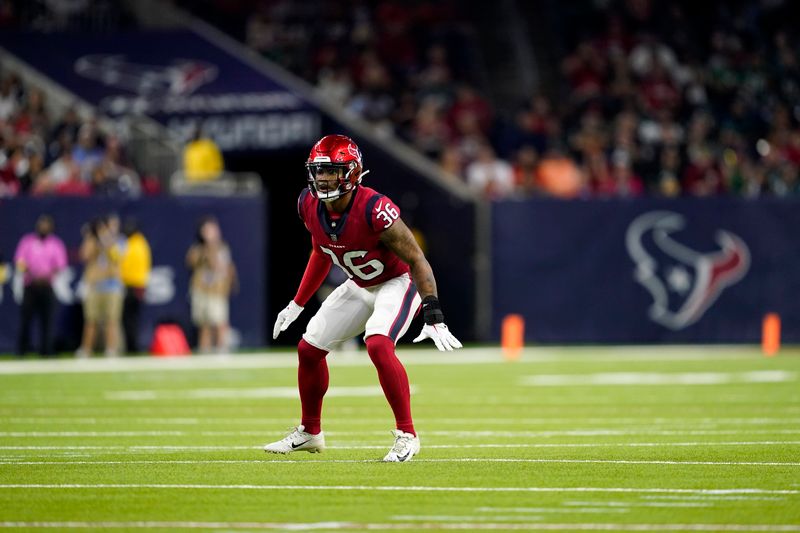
(373, 99)
(65, 131)
(468, 137)
(101, 252)
(202, 158)
(429, 132)
(450, 162)
(32, 118)
(62, 177)
(468, 100)
(36, 158)
(489, 176)
(702, 176)
(787, 182)
(626, 184)
(584, 69)
(9, 173)
(668, 179)
(31, 173)
(213, 279)
(435, 79)
(88, 152)
(9, 97)
(536, 126)
(40, 256)
(135, 271)
(640, 79)
(559, 175)
(111, 179)
(335, 86)
(526, 171)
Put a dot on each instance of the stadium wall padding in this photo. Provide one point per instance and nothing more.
(648, 270)
(169, 223)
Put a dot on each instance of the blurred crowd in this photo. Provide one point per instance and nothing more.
(665, 103)
(648, 98)
(117, 263)
(63, 155)
(650, 101)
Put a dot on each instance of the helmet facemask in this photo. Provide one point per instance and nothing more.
(329, 181)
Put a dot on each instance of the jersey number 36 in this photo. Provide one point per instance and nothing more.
(388, 214)
(366, 271)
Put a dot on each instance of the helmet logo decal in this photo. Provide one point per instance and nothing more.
(683, 282)
(339, 151)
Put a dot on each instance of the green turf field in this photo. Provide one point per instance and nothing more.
(612, 439)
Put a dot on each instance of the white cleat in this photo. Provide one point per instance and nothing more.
(405, 447)
(296, 441)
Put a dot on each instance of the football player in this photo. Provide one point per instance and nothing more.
(360, 231)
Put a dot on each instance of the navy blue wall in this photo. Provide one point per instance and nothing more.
(697, 270)
(169, 225)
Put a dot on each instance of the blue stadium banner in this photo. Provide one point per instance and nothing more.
(170, 225)
(178, 78)
(616, 271)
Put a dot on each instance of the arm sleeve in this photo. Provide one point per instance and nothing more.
(316, 272)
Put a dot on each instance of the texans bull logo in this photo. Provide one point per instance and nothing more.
(683, 282)
(182, 76)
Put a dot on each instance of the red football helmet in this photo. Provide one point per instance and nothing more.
(334, 157)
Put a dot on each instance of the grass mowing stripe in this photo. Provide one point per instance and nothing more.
(456, 460)
(423, 357)
(393, 488)
(432, 446)
(655, 422)
(438, 433)
(308, 526)
(482, 432)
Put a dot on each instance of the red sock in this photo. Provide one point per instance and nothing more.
(394, 380)
(312, 380)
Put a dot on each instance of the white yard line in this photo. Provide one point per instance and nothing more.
(439, 433)
(393, 488)
(240, 393)
(466, 518)
(711, 497)
(585, 445)
(572, 421)
(51, 434)
(521, 434)
(10, 461)
(534, 510)
(288, 360)
(615, 505)
(657, 378)
(311, 526)
(155, 448)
